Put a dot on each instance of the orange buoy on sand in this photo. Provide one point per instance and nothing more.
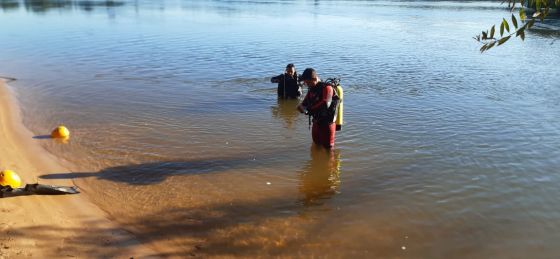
(60, 132)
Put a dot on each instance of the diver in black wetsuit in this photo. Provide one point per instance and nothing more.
(288, 86)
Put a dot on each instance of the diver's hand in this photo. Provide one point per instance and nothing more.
(301, 108)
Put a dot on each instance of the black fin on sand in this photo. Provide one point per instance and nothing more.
(41, 189)
(51, 189)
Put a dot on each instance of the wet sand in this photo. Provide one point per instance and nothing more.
(51, 226)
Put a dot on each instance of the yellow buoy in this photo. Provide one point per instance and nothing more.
(10, 178)
(60, 132)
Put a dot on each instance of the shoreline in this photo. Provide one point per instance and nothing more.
(51, 226)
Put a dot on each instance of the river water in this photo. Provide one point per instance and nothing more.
(178, 134)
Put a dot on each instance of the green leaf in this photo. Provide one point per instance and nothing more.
(493, 30)
(484, 35)
(530, 23)
(514, 21)
(503, 40)
(502, 29)
(545, 13)
(483, 48)
(491, 45)
(522, 35)
(522, 14)
(506, 24)
(519, 31)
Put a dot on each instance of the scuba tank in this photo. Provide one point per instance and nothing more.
(338, 120)
(340, 109)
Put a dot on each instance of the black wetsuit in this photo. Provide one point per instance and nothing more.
(288, 84)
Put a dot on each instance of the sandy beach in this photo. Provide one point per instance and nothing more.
(51, 226)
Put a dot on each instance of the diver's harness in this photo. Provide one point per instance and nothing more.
(332, 108)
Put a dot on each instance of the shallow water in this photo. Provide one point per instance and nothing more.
(178, 134)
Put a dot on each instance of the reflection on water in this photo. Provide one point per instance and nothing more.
(40, 6)
(286, 111)
(44, 5)
(9, 4)
(320, 177)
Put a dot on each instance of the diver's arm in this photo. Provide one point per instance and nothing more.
(276, 79)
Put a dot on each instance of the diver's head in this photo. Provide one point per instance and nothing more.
(290, 69)
(310, 77)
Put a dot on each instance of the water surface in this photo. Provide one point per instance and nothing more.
(177, 132)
